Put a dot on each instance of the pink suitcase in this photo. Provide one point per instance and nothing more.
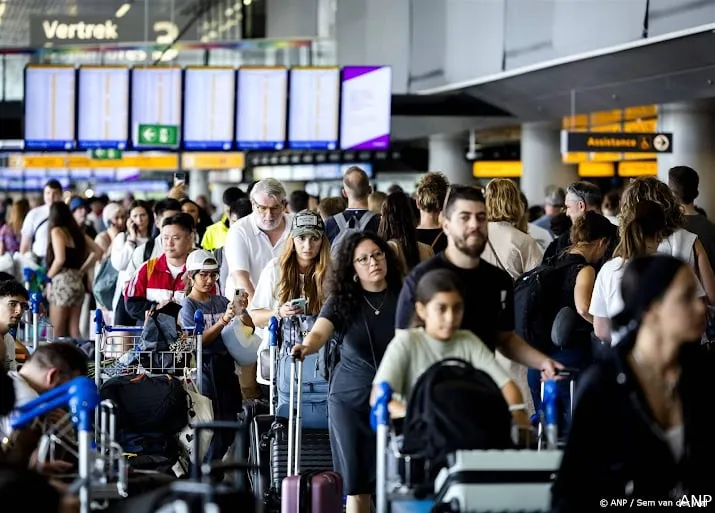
(312, 492)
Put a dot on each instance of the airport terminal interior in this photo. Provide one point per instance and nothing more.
(390, 256)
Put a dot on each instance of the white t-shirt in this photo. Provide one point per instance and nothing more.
(175, 270)
(606, 301)
(680, 244)
(412, 352)
(35, 225)
(264, 295)
(541, 235)
(10, 362)
(249, 249)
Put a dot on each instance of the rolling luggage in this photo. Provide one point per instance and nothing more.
(268, 438)
(307, 491)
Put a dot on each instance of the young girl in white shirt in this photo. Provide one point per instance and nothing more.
(436, 336)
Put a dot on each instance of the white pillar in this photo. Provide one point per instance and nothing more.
(447, 155)
(541, 161)
(198, 184)
(693, 127)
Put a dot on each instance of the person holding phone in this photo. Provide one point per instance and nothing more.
(219, 382)
(293, 283)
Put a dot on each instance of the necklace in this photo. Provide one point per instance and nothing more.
(376, 310)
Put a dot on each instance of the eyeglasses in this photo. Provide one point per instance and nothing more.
(364, 260)
(262, 209)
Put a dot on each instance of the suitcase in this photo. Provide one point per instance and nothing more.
(505, 481)
(311, 491)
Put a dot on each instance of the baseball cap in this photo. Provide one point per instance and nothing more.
(77, 202)
(197, 261)
(555, 196)
(307, 222)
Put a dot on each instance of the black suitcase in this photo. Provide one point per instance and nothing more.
(268, 453)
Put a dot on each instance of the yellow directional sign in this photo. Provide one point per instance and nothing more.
(158, 162)
(213, 160)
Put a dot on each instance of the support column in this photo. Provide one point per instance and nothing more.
(198, 184)
(541, 161)
(693, 127)
(446, 155)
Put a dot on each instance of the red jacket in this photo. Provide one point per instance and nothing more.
(153, 283)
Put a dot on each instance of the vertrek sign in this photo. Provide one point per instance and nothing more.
(88, 29)
(107, 31)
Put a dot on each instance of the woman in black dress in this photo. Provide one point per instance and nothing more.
(361, 307)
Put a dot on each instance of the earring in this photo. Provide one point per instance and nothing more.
(355, 278)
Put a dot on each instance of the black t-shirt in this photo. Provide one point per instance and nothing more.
(488, 302)
(360, 354)
(432, 236)
(331, 226)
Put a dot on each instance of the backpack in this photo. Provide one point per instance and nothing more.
(105, 283)
(148, 249)
(537, 301)
(346, 227)
(314, 399)
(453, 407)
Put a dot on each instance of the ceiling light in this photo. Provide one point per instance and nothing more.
(213, 34)
(3, 6)
(123, 9)
(229, 11)
(204, 39)
(247, 2)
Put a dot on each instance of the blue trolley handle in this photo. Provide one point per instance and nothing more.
(199, 325)
(380, 422)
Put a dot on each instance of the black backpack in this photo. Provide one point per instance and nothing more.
(454, 407)
(537, 301)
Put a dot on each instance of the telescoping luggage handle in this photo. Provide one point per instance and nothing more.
(295, 416)
(380, 421)
(272, 352)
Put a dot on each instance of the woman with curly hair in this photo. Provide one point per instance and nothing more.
(430, 195)
(675, 240)
(362, 302)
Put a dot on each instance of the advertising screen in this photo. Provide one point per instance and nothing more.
(366, 98)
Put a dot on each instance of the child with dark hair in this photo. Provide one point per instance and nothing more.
(439, 308)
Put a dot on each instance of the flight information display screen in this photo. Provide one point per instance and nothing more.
(209, 108)
(156, 100)
(261, 108)
(314, 108)
(103, 113)
(50, 107)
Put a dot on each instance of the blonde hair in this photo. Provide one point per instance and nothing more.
(431, 192)
(289, 284)
(504, 203)
(375, 201)
(651, 189)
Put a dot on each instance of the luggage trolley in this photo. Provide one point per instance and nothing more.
(102, 470)
(119, 350)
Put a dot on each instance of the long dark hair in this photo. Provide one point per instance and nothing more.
(397, 223)
(345, 290)
(431, 284)
(61, 217)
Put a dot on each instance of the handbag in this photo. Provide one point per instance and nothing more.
(200, 412)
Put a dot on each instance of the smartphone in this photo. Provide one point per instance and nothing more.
(179, 178)
(298, 303)
(240, 297)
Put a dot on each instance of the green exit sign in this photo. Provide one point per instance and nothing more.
(105, 154)
(159, 135)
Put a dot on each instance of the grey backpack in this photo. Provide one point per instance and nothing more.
(346, 227)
